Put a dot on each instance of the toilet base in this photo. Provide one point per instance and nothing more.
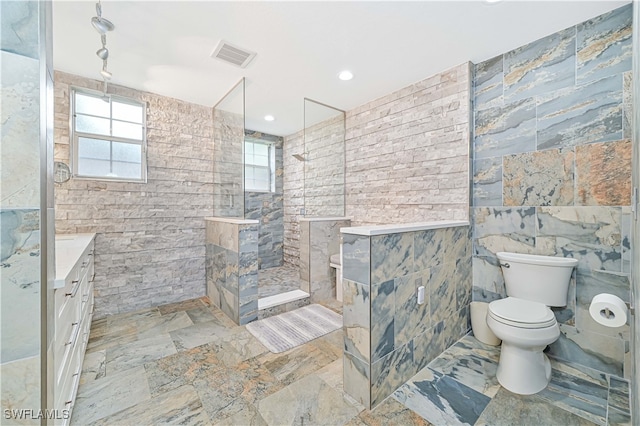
(523, 371)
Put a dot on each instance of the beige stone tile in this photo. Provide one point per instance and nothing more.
(108, 395)
(139, 352)
(179, 406)
(603, 172)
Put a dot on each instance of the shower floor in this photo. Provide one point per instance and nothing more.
(278, 280)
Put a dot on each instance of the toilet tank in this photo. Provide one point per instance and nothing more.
(543, 279)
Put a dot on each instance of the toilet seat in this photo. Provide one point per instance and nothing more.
(521, 313)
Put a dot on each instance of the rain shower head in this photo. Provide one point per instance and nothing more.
(299, 157)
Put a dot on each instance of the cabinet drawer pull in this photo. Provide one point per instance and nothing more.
(74, 336)
(74, 290)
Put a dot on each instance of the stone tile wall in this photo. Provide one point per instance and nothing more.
(388, 336)
(232, 269)
(552, 173)
(319, 240)
(268, 208)
(150, 247)
(407, 158)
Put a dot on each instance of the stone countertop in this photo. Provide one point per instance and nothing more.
(397, 228)
(69, 249)
(234, 220)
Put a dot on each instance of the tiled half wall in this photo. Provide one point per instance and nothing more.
(388, 336)
(552, 173)
(232, 267)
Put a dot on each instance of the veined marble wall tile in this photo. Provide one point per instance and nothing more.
(488, 83)
(545, 65)
(442, 291)
(248, 285)
(602, 353)
(627, 105)
(567, 314)
(428, 345)
(382, 314)
(487, 182)
(604, 45)
(20, 115)
(507, 129)
(305, 250)
(356, 258)
(488, 282)
(21, 386)
(391, 256)
(590, 234)
(457, 324)
(357, 379)
(542, 178)
(324, 241)
(411, 319)
(20, 285)
(504, 229)
(428, 249)
(390, 372)
(457, 243)
(356, 317)
(591, 283)
(604, 174)
(20, 28)
(626, 239)
(464, 281)
(580, 115)
(248, 238)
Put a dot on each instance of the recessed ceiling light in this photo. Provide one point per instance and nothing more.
(269, 117)
(492, 1)
(345, 75)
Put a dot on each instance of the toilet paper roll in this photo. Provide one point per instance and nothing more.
(616, 307)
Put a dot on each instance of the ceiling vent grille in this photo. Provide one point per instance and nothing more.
(233, 55)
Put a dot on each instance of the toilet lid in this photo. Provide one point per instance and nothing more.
(521, 313)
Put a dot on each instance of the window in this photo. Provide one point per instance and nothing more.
(108, 137)
(259, 166)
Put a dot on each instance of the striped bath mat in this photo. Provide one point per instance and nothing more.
(290, 329)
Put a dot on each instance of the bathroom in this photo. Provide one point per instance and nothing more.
(525, 147)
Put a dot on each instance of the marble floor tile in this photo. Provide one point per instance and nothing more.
(182, 306)
(278, 280)
(138, 352)
(618, 418)
(238, 346)
(163, 324)
(310, 400)
(127, 323)
(106, 341)
(180, 406)
(198, 334)
(182, 368)
(108, 395)
(508, 409)
(578, 396)
(94, 366)
(288, 367)
(228, 391)
(469, 369)
(202, 314)
(249, 416)
(441, 400)
(389, 413)
(619, 394)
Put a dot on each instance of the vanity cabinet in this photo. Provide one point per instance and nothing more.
(73, 307)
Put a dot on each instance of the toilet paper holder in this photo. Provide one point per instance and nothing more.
(608, 314)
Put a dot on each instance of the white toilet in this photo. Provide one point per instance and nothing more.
(524, 321)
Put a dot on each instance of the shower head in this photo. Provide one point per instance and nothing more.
(299, 157)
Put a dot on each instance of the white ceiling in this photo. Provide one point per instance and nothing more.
(164, 47)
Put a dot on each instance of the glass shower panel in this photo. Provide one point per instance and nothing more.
(324, 160)
(228, 154)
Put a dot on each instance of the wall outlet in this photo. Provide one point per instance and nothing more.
(421, 295)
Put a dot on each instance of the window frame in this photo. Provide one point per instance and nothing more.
(270, 167)
(75, 135)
